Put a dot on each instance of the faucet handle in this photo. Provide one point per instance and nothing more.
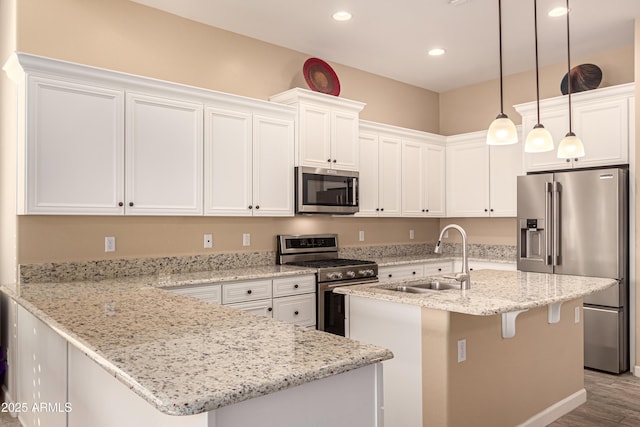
(461, 277)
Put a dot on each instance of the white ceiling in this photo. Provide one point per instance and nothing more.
(391, 38)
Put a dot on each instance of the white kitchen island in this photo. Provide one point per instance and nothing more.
(122, 352)
(507, 352)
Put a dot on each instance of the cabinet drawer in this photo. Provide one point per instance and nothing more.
(299, 310)
(294, 285)
(259, 308)
(400, 272)
(435, 268)
(208, 292)
(245, 291)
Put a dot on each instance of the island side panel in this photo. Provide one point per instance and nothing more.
(502, 382)
(395, 326)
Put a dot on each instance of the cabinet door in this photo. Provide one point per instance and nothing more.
(556, 121)
(390, 176)
(286, 286)
(505, 164)
(74, 149)
(42, 371)
(413, 178)
(314, 136)
(344, 141)
(246, 291)
(434, 166)
(400, 272)
(228, 166)
(368, 177)
(207, 292)
(603, 128)
(164, 148)
(273, 141)
(468, 179)
(262, 308)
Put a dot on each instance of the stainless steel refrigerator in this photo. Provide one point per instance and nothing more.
(576, 222)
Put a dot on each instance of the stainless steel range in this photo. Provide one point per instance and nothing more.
(320, 251)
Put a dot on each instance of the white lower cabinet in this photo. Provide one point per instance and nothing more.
(291, 299)
(42, 373)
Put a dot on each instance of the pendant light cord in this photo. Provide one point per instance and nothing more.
(535, 31)
(569, 68)
(500, 44)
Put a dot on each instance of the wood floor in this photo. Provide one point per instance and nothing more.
(612, 400)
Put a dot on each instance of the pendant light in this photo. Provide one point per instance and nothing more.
(502, 131)
(539, 139)
(571, 146)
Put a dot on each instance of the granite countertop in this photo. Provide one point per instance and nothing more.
(492, 292)
(183, 355)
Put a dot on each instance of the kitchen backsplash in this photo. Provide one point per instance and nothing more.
(109, 269)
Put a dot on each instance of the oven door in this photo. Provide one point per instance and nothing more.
(331, 310)
(326, 191)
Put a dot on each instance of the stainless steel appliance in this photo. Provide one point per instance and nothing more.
(576, 222)
(320, 251)
(326, 191)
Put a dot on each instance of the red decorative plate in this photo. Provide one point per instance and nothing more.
(320, 76)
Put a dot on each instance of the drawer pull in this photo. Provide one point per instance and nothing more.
(296, 286)
(296, 312)
(249, 292)
(390, 275)
(439, 269)
(269, 309)
(413, 272)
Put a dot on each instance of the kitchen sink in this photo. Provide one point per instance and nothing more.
(433, 285)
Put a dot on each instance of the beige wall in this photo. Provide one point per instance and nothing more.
(479, 104)
(541, 365)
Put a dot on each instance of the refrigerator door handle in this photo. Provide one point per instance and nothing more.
(549, 225)
(555, 203)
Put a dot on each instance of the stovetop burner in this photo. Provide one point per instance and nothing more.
(328, 263)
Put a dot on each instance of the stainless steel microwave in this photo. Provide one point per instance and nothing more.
(326, 191)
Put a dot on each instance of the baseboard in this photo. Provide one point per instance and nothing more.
(558, 409)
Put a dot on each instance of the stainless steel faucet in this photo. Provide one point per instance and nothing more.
(463, 277)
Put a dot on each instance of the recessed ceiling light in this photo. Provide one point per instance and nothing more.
(558, 11)
(436, 51)
(342, 15)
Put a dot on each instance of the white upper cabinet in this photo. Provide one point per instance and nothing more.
(73, 158)
(481, 179)
(423, 178)
(380, 171)
(163, 156)
(600, 118)
(248, 162)
(327, 129)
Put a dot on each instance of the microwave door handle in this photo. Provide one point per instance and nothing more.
(354, 192)
(548, 201)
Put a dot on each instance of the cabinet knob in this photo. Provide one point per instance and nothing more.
(328, 160)
(296, 312)
(250, 207)
(491, 210)
(575, 160)
(439, 269)
(413, 272)
(568, 160)
(249, 292)
(390, 275)
(130, 203)
(427, 210)
(382, 209)
(269, 309)
(423, 210)
(296, 286)
(486, 210)
(377, 209)
(257, 206)
(120, 204)
(334, 160)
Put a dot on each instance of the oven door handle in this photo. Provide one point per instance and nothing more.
(329, 286)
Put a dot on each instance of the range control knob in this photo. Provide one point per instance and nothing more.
(351, 274)
(367, 272)
(334, 276)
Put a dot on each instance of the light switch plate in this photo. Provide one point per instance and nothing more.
(110, 244)
(462, 350)
(361, 235)
(412, 234)
(246, 239)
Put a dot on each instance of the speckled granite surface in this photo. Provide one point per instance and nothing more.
(485, 252)
(183, 355)
(492, 292)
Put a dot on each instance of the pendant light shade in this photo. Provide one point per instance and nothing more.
(571, 146)
(502, 131)
(539, 139)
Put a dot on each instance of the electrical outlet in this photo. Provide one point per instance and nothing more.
(577, 315)
(110, 244)
(208, 241)
(246, 239)
(462, 350)
(361, 235)
(412, 235)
